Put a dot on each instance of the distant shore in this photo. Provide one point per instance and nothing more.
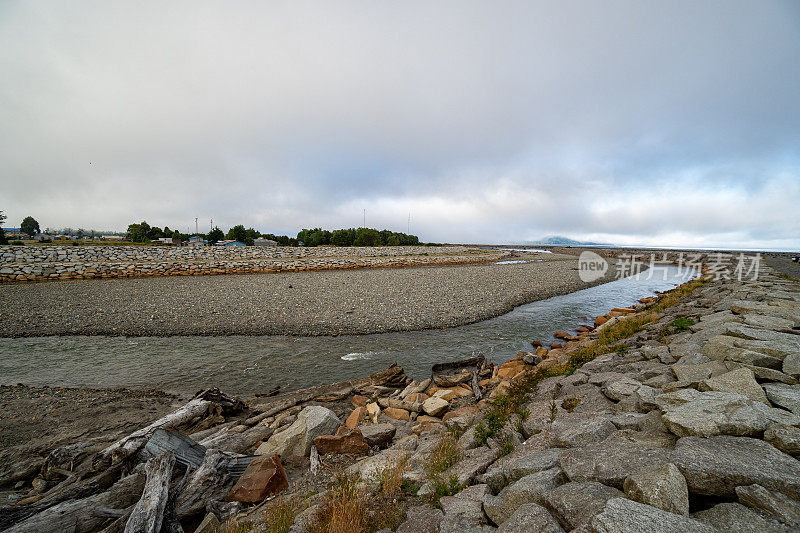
(332, 302)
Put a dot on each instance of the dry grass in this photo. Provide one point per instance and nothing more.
(445, 454)
(391, 477)
(344, 509)
(279, 515)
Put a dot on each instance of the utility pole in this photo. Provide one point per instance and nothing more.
(212, 225)
(365, 218)
(408, 231)
(196, 227)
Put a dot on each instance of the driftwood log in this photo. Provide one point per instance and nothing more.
(85, 514)
(209, 482)
(451, 365)
(148, 514)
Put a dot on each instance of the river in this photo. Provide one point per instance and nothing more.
(245, 365)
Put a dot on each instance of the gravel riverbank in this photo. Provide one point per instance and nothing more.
(329, 302)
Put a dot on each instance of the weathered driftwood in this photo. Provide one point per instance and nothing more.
(85, 514)
(84, 482)
(187, 452)
(211, 481)
(148, 514)
(476, 389)
(445, 381)
(315, 462)
(238, 442)
(211, 400)
(127, 446)
(20, 472)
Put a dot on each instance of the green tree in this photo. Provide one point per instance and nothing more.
(341, 237)
(30, 226)
(238, 233)
(2, 233)
(367, 237)
(139, 232)
(215, 235)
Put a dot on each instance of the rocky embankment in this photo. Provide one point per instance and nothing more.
(50, 263)
(679, 414)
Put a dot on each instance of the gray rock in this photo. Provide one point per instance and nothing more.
(690, 357)
(717, 465)
(699, 372)
(377, 434)
(574, 504)
(529, 489)
(297, 439)
(621, 388)
(629, 420)
(740, 381)
(767, 322)
(785, 438)
(777, 504)
(473, 463)
(421, 519)
(765, 374)
(787, 396)
(791, 365)
(748, 333)
(723, 413)
(626, 516)
(528, 518)
(571, 432)
(737, 517)
(498, 476)
(610, 462)
(465, 508)
(660, 486)
(600, 379)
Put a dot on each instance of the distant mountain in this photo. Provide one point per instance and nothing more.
(556, 240)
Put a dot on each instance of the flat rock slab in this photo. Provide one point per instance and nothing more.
(723, 413)
(500, 475)
(421, 519)
(785, 438)
(610, 462)
(626, 516)
(740, 381)
(575, 504)
(570, 432)
(787, 396)
(717, 465)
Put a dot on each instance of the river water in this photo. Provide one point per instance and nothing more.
(244, 365)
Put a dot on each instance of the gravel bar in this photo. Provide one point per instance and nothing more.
(330, 302)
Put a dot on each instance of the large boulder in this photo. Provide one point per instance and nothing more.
(785, 438)
(791, 365)
(717, 465)
(464, 510)
(660, 486)
(421, 519)
(500, 475)
(297, 439)
(736, 517)
(775, 503)
(574, 504)
(435, 406)
(723, 413)
(569, 432)
(529, 489)
(787, 396)
(610, 462)
(627, 516)
(530, 517)
(739, 381)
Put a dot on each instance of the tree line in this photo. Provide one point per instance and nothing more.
(355, 237)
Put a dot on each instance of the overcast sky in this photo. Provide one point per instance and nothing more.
(641, 122)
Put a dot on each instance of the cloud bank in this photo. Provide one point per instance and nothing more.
(629, 122)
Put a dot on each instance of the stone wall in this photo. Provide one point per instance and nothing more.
(37, 263)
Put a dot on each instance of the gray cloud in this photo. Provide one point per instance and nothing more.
(623, 121)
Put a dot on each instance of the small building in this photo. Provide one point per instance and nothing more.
(264, 242)
(111, 238)
(230, 243)
(62, 237)
(15, 233)
(195, 240)
(168, 240)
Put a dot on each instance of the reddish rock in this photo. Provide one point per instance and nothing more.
(468, 410)
(355, 417)
(536, 344)
(343, 442)
(360, 401)
(511, 368)
(541, 351)
(556, 346)
(263, 477)
(562, 335)
(397, 414)
(599, 321)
